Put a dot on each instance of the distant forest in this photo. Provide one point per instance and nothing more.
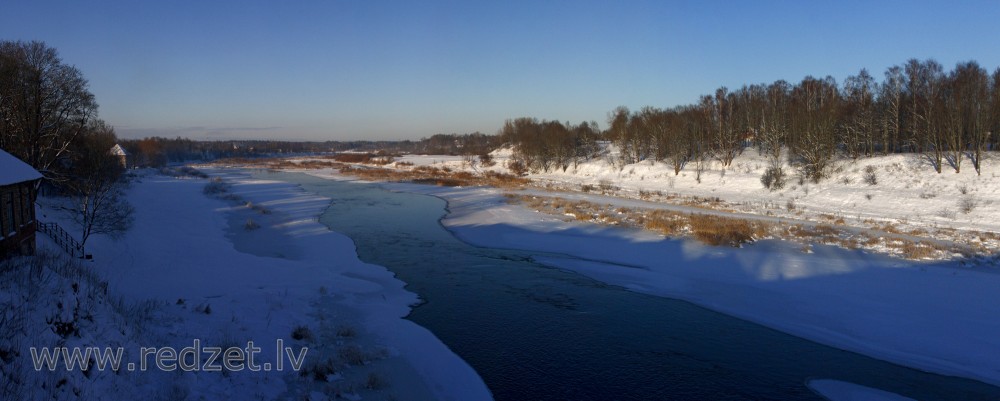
(918, 107)
(156, 152)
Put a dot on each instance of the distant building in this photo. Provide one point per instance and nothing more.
(17, 206)
(122, 155)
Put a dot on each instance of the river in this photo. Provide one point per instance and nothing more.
(534, 332)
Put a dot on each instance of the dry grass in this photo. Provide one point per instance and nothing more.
(712, 230)
(436, 176)
(666, 223)
(715, 230)
(916, 250)
(352, 355)
(819, 231)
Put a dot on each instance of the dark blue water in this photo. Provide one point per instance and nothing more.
(538, 333)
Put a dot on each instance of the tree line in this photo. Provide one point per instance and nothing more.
(917, 107)
(158, 151)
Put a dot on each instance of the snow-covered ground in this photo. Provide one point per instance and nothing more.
(906, 193)
(936, 316)
(287, 277)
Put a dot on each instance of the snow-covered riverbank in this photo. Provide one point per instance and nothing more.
(287, 277)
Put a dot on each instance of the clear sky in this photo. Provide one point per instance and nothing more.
(317, 70)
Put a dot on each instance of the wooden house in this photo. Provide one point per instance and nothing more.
(17, 206)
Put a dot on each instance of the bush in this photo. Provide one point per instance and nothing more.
(302, 333)
(966, 204)
(251, 225)
(375, 382)
(216, 186)
(871, 178)
(606, 186)
(773, 178)
(346, 331)
(486, 160)
(517, 168)
(320, 371)
(352, 355)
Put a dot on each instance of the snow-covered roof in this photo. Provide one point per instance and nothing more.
(117, 150)
(13, 170)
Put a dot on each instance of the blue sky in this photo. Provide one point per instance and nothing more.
(340, 70)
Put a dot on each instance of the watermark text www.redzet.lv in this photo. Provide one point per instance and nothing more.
(188, 359)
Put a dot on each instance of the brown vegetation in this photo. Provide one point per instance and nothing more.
(715, 230)
(731, 231)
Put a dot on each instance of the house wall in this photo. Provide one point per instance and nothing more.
(17, 219)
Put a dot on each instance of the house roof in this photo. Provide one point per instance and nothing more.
(13, 170)
(117, 150)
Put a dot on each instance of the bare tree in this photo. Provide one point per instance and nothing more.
(44, 104)
(813, 111)
(924, 81)
(96, 187)
(969, 113)
(858, 125)
(727, 141)
(891, 106)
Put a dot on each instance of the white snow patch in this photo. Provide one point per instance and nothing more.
(13, 170)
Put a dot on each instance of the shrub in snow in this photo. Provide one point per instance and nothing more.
(216, 186)
(352, 355)
(966, 204)
(375, 382)
(204, 308)
(319, 370)
(773, 178)
(606, 186)
(302, 333)
(517, 168)
(251, 225)
(346, 331)
(946, 213)
(486, 160)
(871, 178)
